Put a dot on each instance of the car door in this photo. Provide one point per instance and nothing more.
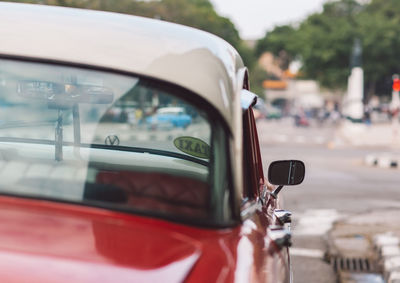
(270, 259)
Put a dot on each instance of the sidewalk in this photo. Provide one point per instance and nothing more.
(375, 135)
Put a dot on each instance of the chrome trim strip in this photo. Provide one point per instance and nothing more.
(250, 209)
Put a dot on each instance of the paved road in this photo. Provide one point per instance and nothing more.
(337, 184)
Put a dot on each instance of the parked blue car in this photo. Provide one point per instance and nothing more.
(168, 117)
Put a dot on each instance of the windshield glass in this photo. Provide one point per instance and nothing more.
(101, 138)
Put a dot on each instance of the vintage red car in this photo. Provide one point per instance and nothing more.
(90, 194)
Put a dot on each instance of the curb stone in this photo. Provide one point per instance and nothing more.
(388, 248)
(394, 277)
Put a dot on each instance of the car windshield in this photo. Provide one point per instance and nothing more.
(94, 138)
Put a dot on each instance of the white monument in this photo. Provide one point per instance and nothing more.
(353, 108)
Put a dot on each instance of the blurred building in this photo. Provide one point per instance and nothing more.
(269, 63)
(290, 93)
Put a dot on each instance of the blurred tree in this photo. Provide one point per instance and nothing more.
(324, 41)
(379, 26)
(281, 43)
(257, 76)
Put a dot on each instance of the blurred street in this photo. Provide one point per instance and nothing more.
(337, 187)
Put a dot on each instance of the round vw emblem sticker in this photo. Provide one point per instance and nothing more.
(112, 140)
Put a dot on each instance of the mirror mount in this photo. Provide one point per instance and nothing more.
(275, 193)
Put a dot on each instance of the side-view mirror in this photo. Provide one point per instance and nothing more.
(286, 172)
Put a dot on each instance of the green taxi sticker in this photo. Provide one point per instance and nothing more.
(193, 146)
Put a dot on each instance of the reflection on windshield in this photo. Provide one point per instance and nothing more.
(94, 137)
(112, 110)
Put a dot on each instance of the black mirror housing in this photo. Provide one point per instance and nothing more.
(286, 172)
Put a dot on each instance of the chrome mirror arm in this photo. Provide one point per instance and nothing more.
(275, 193)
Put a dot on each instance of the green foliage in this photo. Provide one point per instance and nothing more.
(247, 55)
(379, 25)
(257, 76)
(195, 13)
(324, 42)
(281, 42)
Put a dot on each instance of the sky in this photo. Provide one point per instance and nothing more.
(254, 17)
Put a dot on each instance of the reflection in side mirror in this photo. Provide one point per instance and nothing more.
(286, 172)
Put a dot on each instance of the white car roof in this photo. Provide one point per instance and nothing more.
(196, 60)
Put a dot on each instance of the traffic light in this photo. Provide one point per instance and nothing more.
(396, 83)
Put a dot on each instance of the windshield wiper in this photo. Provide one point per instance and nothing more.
(109, 147)
(151, 151)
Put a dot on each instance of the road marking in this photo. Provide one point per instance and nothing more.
(307, 252)
(300, 139)
(282, 138)
(319, 140)
(315, 221)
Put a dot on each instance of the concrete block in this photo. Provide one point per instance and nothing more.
(391, 263)
(390, 251)
(394, 277)
(386, 240)
(384, 162)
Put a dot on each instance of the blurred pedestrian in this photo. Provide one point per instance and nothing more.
(367, 114)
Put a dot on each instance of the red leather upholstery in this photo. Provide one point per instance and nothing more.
(160, 192)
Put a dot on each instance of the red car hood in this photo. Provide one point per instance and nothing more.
(49, 242)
